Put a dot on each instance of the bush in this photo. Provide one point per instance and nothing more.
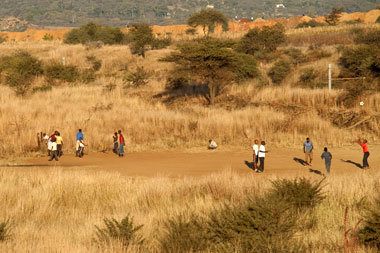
(5, 230)
(279, 71)
(87, 76)
(317, 54)
(58, 71)
(20, 70)
(138, 78)
(370, 234)
(191, 31)
(42, 88)
(308, 75)
(141, 37)
(370, 37)
(175, 83)
(296, 55)
(265, 40)
(378, 20)
(360, 61)
(93, 32)
(124, 231)
(96, 64)
(161, 43)
(311, 23)
(48, 37)
(301, 193)
(219, 43)
(3, 38)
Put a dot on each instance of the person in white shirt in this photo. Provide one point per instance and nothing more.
(212, 144)
(262, 153)
(53, 151)
(255, 148)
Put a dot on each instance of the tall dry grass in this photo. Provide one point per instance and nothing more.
(53, 210)
(149, 123)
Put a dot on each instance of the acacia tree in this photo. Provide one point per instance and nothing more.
(210, 65)
(207, 19)
(333, 17)
(141, 36)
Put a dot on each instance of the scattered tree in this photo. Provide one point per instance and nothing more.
(279, 71)
(141, 37)
(212, 66)
(208, 19)
(265, 40)
(333, 17)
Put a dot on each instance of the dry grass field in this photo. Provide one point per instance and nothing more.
(55, 210)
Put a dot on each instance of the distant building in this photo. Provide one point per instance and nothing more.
(280, 6)
(210, 6)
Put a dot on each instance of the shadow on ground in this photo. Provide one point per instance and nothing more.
(249, 165)
(354, 163)
(318, 172)
(300, 161)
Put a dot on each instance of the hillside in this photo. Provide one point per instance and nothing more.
(163, 12)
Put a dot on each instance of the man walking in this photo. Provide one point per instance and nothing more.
(115, 143)
(365, 151)
(79, 135)
(327, 156)
(121, 144)
(255, 148)
(262, 153)
(59, 141)
(308, 150)
(53, 150)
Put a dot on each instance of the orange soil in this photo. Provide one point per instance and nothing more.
(178, 164)
(365, 17)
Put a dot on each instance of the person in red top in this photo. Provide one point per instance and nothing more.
(121, 144)
(365, 151)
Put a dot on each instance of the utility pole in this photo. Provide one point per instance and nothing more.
(329, 76)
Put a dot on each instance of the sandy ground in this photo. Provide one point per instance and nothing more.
(178, 164)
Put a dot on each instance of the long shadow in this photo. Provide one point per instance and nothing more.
(318, 172)
(354, 163)
(300, 161)
(249, 165)
(171, 94)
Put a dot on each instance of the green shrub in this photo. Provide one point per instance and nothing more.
(161, 43)
(215, 42)
(175, 83)
(333, 17)
(96, 64)
(370, 234)
(5, 230)
(279, 71)
(42, 88)
(141, 37)
(296, 55)
(138, 78)
(93, 32)
(20, 70)
(265, 40)
(184, 236)
(58, 71)
(317, 54)
(191, 31)
(48, 37)
(311, 23)
(370, 37)
(360, 61)
(308, 75)
(300, 193)
(123, 231)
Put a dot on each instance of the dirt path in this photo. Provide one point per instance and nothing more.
(177, 164)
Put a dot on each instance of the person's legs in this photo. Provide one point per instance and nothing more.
(59, 149)
(328, 165)
(365, 160)
(311, 157)
(55, 155)
(115, 147)
(121, 149)
(261, 167)
(51, 155)
(255, 162)
(77, 148)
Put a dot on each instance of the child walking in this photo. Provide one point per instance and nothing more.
(327, 156)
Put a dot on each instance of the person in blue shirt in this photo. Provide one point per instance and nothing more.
(308, 150)
(327, 156)
(79, 136)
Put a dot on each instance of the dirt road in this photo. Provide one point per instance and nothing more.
(177, 164)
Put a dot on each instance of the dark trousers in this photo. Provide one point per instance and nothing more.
(53, 155)
(115, 147)
(261, 167)
(59, 150)
(365, 160)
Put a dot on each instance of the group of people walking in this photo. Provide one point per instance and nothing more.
(118, 143)
(259, 154)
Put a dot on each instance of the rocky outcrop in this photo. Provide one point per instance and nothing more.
(12, 24)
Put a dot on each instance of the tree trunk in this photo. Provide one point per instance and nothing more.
(213, 92)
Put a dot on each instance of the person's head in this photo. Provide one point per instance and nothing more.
(307, 139)
(119, 131)
(365, 141)
(55, 132)
(256, 141)
(58, 133)
(115, 133)
(80, 130)
(325, 149)
(262, 142)
(44, 134)
(210, 141)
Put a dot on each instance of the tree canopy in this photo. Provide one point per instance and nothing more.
(207, 19)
